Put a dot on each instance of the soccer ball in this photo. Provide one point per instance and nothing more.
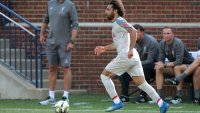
(61, 107)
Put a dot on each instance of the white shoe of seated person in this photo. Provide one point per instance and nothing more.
(152, 102)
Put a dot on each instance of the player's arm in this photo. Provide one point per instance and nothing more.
(132, 31)
(133, 38)
(110, 47)
(75, 27)
(101, 49)
(75, 23)
(44, 27)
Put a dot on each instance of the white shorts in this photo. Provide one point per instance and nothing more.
(122, 64)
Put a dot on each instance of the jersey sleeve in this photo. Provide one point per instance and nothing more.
(123, 23)
(74, 17)
(46, 17)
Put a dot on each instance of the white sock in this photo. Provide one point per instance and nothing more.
(110, 88)
(66, 94)
(52, 94)
(116, 100)
(160, 102)
(151, 92)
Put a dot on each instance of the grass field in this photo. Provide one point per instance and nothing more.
(90, 104)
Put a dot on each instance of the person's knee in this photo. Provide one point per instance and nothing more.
(138, 80)
(107, 73)
(198, 69)
(196, 75)
(52, 68)
(179, 69)
(197, 60)
(159, 72)
(104, 77)
(66, 69)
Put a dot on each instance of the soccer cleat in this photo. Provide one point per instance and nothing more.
(172, 81)
(124, 98)
(177, 100)
(47, 101)
(115, 107)
(164, 107)
(65, 99)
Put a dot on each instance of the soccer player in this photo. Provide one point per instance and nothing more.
(147, 48)
(127, 59)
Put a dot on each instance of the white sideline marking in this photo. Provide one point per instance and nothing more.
(47, 110)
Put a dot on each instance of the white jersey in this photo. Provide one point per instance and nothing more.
(120, 35)
(121, 39)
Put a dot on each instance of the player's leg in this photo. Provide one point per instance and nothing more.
(159, 81)
(192, 67)
(65, 58)
(143, 85)
(196, 83)
(118, 66)
(138, 78)
(179, 93)
(124, 80)
(52, 80)
(148, 71)
(195, 64)
(67, 83)
(160, 78)
(110, 88)
(53, 61)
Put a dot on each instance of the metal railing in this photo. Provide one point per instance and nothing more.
(19, 48)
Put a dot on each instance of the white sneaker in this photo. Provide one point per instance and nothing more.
(47, 101)
(176, 101)
(152, 102)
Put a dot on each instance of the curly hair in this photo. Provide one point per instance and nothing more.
(118, 5)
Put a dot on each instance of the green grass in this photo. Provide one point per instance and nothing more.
(90, 104)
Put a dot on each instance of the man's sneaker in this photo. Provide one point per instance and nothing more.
(140, 99)
(196, 100)
(47, 101)
(164, 107)
(64, 98)
(152, 102)
(115, 107)
(168, 99)
(177, 100)
(172, 81)
(124, 98)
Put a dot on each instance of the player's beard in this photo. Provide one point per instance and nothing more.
(110, 16)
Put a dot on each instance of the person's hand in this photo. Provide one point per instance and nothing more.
(159, 65)
(130, 54)
(99, 49)
(42, 39)
(70, 46)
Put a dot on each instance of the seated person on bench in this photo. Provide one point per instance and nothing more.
(193, 69)
(175, 51)
(147, 47)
